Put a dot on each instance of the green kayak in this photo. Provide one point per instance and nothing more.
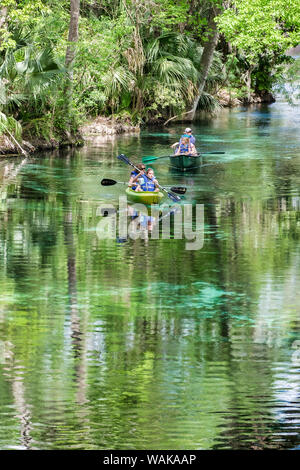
(185, 162)
(144, 197)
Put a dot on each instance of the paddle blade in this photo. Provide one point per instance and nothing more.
(149, 159)
(108, 182)
(178, 189)
(124, 158)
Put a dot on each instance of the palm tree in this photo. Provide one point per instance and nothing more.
(25, 86)
(167, 64)
(174, 60)
(206, 58)
(70, 57)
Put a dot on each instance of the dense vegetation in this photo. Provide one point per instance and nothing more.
(138, 60)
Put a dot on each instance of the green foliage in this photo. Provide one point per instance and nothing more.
(135, 57)
(164, 101)
(208, 103)
(28, 83)
(287, 85)
(26, 13)
(170, 14)
(10, 125)
(119, 76)
(260, 32)
(260, 25)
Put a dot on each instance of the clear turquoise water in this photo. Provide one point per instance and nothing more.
(144, 344)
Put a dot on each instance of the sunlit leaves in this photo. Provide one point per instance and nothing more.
(260, 25)
(9, 124)
(289, 83)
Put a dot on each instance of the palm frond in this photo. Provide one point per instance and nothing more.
(170, 68)
(172, 43)
(152, 50)
(9, 98)
(118, 79)
(208, 103)
(30, 73)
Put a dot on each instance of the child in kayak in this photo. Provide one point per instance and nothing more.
(147, 182)
(151, 183)
(186, 147)
(187, 133)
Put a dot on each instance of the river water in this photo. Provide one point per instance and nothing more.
(145, 344)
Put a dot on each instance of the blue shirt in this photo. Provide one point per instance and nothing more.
(191, 137)
(133, 174)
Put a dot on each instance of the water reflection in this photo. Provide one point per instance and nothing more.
(143, 344)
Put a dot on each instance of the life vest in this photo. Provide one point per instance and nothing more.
(133, 174)
(184, 148)
(148, 184)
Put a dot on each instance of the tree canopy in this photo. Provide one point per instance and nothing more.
(261, 26)
(141, 61)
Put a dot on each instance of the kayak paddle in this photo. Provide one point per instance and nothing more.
(172, 196)
(109, 182)
(150, 159)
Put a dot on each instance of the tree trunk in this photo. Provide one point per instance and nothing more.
(70, 56)
(248, 85)
(206, 59)
(3, 15)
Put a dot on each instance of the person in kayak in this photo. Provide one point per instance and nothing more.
(187, 133)
(186, 147)
(152, 185)
(148, 182)
(134, 175)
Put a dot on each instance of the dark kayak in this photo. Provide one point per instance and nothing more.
(185, 162)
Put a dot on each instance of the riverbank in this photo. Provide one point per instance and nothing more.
(97, 127)
(229, 99)
(104, 126)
